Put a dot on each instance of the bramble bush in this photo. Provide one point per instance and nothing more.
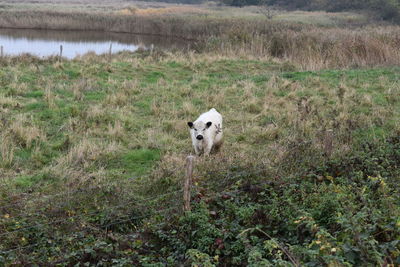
(345, 213)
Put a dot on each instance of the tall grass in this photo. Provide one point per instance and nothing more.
(313, 48)
(307, 46)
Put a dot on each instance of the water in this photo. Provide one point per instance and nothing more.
(44, 43)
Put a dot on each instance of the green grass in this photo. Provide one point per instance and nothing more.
(26, 183)
(115, 133)
(179, 87)
(134, 163)
(219, 77)
(335, 76)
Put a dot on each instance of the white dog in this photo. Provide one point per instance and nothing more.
(206, 132)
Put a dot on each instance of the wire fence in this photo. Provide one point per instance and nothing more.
(130, 219)
(70, 193)
(141, 204)
(70, 218)
(118, 220)
(145, 201)
(43, 198)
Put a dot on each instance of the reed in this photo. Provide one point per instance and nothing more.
(309, 47)
(313, 48)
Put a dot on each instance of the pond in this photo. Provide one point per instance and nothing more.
(44, 43)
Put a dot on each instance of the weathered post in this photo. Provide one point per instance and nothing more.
(110, 52)
(188, 183)
(2, 51)
(61, 50)
(328, 143)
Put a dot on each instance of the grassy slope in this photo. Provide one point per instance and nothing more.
(95, 129)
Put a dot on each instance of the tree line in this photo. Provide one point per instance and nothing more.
(385, 9)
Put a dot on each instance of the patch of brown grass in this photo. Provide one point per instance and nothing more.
(6, 150)
(175, 10)
(85, 153)
(25, 133)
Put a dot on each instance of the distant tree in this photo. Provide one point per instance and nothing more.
(266, 9)
(268, 12)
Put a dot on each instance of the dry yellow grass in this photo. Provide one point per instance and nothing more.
(24, 132)
(80, 156)
(176, 10)
(7, 150)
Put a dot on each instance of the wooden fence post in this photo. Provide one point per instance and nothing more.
(110, 52)
(151, 49)
(328, 143)
(188, 183)
(61, 50)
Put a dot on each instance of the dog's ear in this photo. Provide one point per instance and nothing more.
(190, 124)
(208, 124)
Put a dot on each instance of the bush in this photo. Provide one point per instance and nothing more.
(328, 217)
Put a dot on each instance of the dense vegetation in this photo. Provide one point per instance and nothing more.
(92, 150)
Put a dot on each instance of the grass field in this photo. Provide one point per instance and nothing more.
(93, 150)
(116, 133)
